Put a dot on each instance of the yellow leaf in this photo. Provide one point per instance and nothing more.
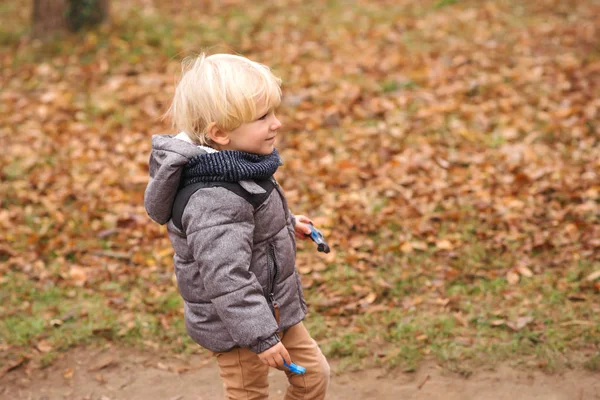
(165, 252)
(44, 346)
(370, 298)
(78, 275)
(444, 244)
(68, 373)
(524, 271)
(593, 276)
(512, 277)
(406, 248)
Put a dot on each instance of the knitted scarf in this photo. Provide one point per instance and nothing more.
(229, 166)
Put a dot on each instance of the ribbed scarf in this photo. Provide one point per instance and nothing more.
(229, 166)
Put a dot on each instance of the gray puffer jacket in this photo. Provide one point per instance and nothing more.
(229, 256)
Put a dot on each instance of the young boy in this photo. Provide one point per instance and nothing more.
(232, 232)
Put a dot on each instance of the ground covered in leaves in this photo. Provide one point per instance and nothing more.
(448, 150)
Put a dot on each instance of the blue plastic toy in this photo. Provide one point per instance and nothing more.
(318, 238)
(296, 369)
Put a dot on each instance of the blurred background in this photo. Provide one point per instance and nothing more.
(449, 151)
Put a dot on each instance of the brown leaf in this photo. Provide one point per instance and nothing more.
(102, 362)
(370, 298)
(524, 271)
(461, 319)
(68, 373)
(78, 275)
(162, 366)
(43, 346)
(444, 244)
(512, 277)
(593, 276)
(520, 323)
(406, 248)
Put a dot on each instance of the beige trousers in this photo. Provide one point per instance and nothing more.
(246, 378)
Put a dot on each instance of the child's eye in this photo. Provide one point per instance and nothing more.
(264, 116)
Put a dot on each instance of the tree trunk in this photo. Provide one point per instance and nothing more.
(49, 17)
(86, 13)
(55, 16)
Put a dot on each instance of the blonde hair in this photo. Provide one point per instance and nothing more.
(222, 88)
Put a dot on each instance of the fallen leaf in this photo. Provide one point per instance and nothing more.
(460, 319)
(524, 271)
(593, 276)
(577, 322)
(305, 270)
(369, 299)
(68, 373)
(102, 362)
(406, 248)
(444, 244)
(162, 366)
(78, 275)
(512, 277)
(43, 346)
(520, 323)
(181, 368)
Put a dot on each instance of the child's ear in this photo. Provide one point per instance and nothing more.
(217, 135)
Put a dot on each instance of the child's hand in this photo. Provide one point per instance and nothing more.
(275, 355)
(302, 229)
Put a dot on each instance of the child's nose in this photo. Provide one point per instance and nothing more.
(276, 124)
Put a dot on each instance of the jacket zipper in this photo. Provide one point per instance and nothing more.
(272, 265)
(286, 210)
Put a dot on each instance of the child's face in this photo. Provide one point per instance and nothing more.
(257, 136)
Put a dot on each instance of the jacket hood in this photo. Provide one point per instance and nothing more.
(167, 159)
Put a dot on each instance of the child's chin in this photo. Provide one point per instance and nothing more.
(266, 152)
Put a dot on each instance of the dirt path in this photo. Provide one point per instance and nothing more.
(124, 374)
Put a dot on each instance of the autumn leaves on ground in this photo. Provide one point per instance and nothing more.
(449, 151)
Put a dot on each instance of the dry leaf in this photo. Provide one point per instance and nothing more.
(520, 323)
(512, 277)
(162, 366)
(444, 245)
(68, 373)
(78, 275)
(44, 347)
(593, 276)
(102, 362)
(406, 248)
(370, 298)
(461, 319)
(524, 271)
